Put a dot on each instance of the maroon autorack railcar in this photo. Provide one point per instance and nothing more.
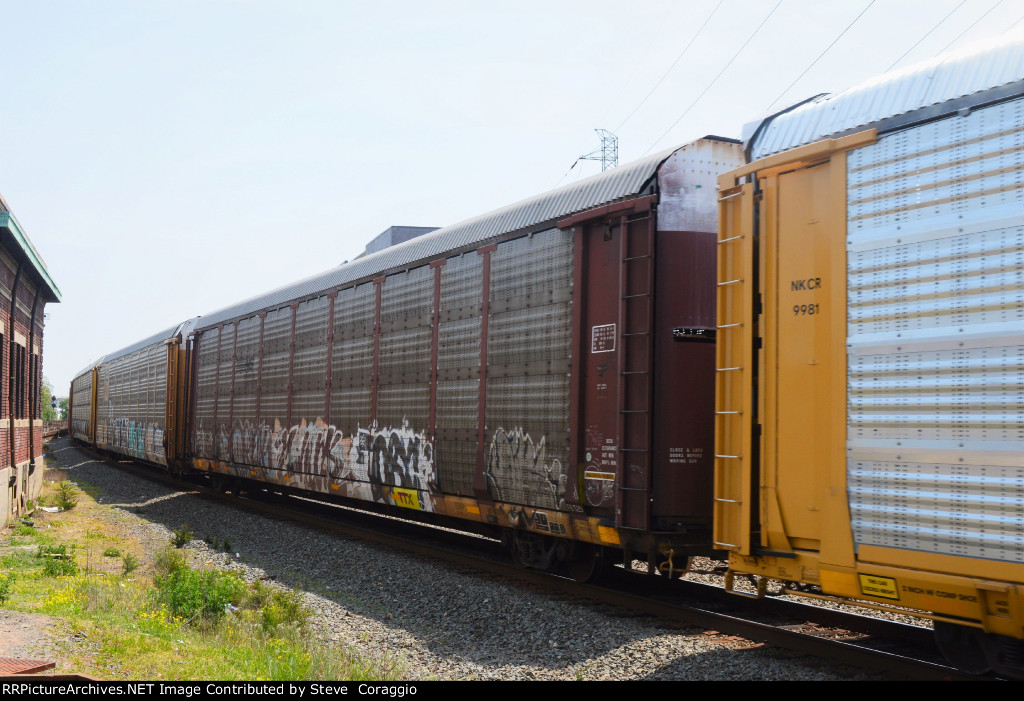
(546, 369)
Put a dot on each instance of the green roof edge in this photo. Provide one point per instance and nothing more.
(9, 222)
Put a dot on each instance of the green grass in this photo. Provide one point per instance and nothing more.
(179, 624)
(6, 582)
(140, 628)
(139, 632)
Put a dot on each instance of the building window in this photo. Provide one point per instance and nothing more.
(35, 387)
(17, 368)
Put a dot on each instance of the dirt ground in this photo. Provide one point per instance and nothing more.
(27, 635)
(40, 637)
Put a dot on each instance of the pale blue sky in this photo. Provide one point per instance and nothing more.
(171, 158)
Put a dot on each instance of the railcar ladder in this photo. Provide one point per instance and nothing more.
(636, 353)
(734, 379)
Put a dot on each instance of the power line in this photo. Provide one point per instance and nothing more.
(824, 52)
(678, 58)
(926, 35)
(1013, 25)
(715, 79)
(998, 3)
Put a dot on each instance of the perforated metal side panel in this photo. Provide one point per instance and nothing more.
(131, 406)
(222, 418)
(309, 372)
(936, 337)
(528, 353)
(403, 374)
(352, 358)
(244, 426)
(206, 389)
(277, 333)
(81, 406)
(458, 365)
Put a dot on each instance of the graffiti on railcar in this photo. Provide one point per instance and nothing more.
(399, 457)
(203, 441)
(257, 444)
(521, 516)
(136, 438)
(244, 442)
(519, 471)
(384, 464)
(601, 467)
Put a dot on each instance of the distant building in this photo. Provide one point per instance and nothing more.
(25, 288)
(396, 234)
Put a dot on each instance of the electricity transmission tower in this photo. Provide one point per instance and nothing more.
(608, 154)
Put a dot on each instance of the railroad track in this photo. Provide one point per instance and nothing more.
(53, 429)
(896, 650)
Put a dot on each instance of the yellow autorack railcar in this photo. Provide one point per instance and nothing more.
(870, 377)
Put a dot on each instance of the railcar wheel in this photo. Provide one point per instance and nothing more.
(531, 550)
(963, 647)
(586, 562)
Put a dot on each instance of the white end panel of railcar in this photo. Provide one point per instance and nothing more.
(935, 355)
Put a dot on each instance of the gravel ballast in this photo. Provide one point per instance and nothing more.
(437, 622)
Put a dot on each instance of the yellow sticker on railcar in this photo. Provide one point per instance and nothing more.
(407, 498)
(883, 587)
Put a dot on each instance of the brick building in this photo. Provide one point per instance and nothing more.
(25, 288)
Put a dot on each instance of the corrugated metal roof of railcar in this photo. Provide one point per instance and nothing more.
(945, 78)
(610, 186)
(150, 341)
(89, 367)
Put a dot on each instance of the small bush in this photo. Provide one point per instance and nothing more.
(182, 536)
(58, 562)
(6, 582)
(169, 560)
(111, 552)
(217, 543)
(275, 607)
(60, 567)
(129, 564)
(57, 550)
(285, 608)
(24, 529)
(199, 596)
(66, 496)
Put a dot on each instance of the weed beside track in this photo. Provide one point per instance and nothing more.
(121, 609)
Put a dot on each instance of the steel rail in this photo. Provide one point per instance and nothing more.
(790, 636)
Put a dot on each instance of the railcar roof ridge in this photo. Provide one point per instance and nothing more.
(979, 73)
(183, 328)
(534, 213)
